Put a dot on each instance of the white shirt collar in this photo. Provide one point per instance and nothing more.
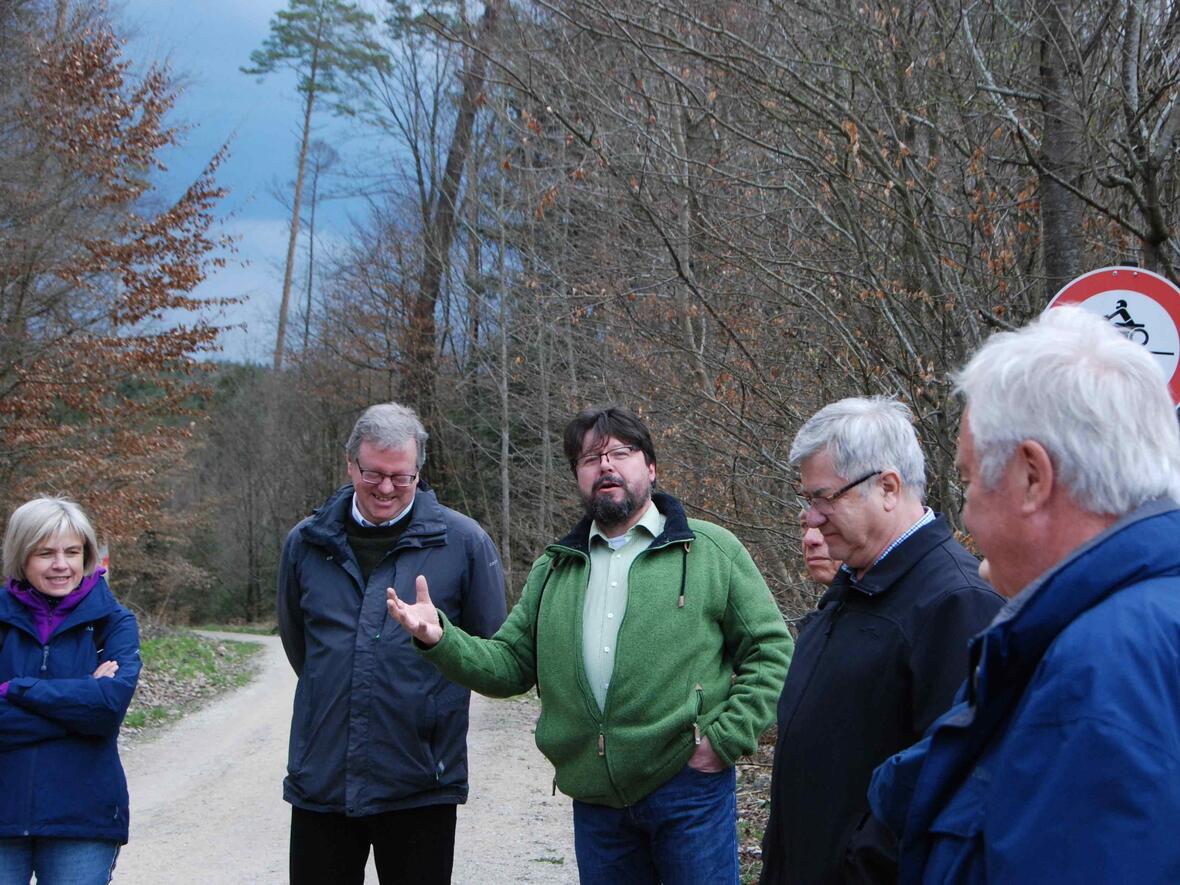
(360, 520)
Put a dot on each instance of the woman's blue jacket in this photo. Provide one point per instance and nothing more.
(60, 773)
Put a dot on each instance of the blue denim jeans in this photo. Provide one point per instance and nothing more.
(57, 861)
(682, 833)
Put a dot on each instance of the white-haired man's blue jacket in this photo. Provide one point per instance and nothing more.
(1061, 763)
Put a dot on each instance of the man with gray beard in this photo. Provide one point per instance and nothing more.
(657, 652)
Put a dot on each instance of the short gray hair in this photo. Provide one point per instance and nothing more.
(862, 434)
(387, 426)
(1097, 402)
(40, 519)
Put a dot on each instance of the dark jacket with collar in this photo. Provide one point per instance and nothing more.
(702, 650)
(875, 664)
(375, 728)
(1061, 763)
(60, 773)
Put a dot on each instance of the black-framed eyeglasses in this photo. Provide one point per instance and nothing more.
(823, 503)
(375, 477)
(613, 456)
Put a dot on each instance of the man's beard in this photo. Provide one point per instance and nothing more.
(609, 512)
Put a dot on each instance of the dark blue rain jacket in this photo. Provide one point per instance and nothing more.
(60, 773)
(376, 727)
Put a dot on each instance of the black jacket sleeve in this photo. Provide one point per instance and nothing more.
(938, 656)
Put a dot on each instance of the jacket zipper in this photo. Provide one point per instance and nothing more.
(600, 717)
(606, 704)
(822, 651)
(44, 658)
(832, 623)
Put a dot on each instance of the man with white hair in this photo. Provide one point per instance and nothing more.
(886, 649)
(1061, 762)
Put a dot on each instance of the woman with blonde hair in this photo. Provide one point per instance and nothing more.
(69, 662)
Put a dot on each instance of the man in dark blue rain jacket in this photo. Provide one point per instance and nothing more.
(378, 752)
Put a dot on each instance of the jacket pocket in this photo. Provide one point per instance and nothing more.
(957, 847)
(447, 750)
(300, 739)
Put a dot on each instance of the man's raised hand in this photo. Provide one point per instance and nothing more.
(421, 618)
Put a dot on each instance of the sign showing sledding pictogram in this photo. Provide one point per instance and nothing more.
(1142, 305)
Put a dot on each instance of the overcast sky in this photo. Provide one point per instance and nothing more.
(205, 43)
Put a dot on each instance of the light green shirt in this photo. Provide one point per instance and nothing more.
(606, 595)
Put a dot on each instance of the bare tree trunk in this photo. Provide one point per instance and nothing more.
(420, 356)
(59, 22)
(1148, 149)
(1061, 212)
(252, 588)
(315, 187)
(683, 232)
(295, 209)
(505, 410)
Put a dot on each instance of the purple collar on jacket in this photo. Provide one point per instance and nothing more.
(46, 615)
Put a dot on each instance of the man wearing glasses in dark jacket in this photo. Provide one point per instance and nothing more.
(885, 651)
(378, 753)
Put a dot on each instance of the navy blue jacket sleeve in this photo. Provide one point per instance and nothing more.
(87, 705)
(19, 727)
(483, 598)
(288, 606)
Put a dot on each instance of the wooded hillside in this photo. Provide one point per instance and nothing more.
(722, 214)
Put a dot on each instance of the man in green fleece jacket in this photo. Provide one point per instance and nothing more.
(658, 654)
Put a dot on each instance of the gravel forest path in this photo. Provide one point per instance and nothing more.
(207, 807)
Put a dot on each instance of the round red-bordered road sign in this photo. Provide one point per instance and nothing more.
(1142, 305)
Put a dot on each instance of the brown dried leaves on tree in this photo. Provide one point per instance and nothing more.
(100, 332)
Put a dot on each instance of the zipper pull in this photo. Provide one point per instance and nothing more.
(44, 658)
(555, 785)
(601, 744)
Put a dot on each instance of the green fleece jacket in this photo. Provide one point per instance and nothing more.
(702, 651)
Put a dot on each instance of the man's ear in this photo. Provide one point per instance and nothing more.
(891, 486)
(1035, 476)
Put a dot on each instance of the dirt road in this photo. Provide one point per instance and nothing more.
(206, 794)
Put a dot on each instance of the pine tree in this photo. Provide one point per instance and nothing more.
(324, 42)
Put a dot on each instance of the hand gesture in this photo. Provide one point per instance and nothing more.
(421, 618)
(107, 669)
